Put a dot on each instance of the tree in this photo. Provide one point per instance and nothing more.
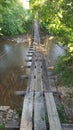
(56, 18)
(14, 19)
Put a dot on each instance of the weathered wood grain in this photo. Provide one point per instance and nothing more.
(27, 111)
(26, 119)
(53, 117)
(39, 112)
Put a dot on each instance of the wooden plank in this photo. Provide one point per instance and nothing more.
(53, 117)
(29, 55)
(31, 49)
(10, 128)
(11, 125)
(39, 78)
(38, 74)
(27, 112)
(39, 110)
(67, 126)
(35, 73)
(28, 66)
(24, 76)
(46, 85)
(54, 122)
(50, 101)
(29, 60)
(30, 52)
(52, 85)
(26, 119)
(20, 93)
(39, 113)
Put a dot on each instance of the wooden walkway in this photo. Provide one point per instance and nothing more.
(39, 108)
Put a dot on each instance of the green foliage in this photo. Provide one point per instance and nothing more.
(14, 19)
(61, 113)
(46, 118)
(2, 126)
(19, 113)
(56, 17)
(64, 70)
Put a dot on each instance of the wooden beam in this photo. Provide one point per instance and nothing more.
(30, 52)
(20, 93)
(12, 125)
(29, 60)
(24, 76)
(29, 55)
(67, 126)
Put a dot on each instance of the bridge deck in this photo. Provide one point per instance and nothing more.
(39, 101)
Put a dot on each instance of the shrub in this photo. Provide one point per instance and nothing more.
(64, 70)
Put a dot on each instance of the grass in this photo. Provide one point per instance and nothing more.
(61, 113)
(46, 118)
(19, 113)
(2, 127)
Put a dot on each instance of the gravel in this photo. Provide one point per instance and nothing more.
(7, 114)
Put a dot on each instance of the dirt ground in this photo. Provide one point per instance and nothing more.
(67, 101)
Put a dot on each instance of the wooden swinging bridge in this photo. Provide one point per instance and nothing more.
(39, 108)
